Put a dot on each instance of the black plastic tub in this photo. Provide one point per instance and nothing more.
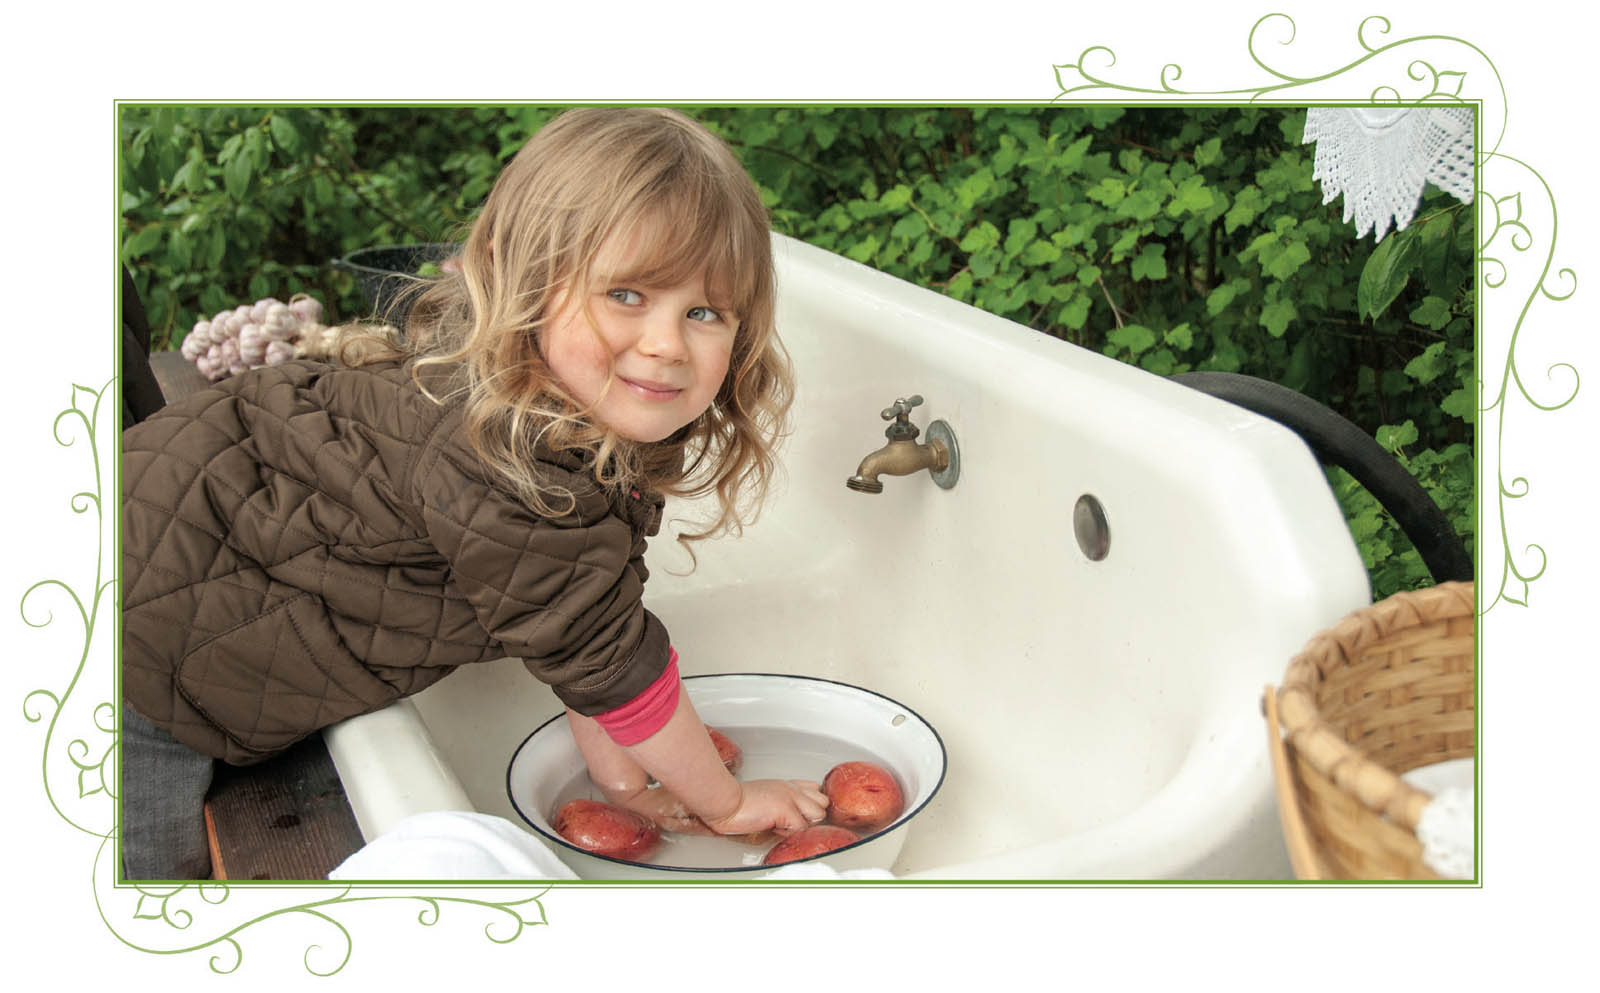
(386, 272)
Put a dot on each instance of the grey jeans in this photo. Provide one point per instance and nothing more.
(164, 787)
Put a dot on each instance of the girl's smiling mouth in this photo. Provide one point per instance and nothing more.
(649, 389)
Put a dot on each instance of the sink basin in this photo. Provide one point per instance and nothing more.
(1098, 699)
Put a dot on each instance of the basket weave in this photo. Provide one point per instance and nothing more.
(1389, 688)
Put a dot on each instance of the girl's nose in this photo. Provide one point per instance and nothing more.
(663, 338)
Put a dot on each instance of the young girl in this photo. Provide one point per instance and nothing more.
(308, 542)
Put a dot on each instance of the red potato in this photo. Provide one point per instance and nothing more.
(862, 796)
(732, 755)
(809, 842)
(607, 830)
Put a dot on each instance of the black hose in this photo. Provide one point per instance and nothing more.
(1336, 441)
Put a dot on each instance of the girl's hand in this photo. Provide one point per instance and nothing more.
(659, 804)
(783, 806)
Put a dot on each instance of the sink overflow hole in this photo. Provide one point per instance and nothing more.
(1090, 527)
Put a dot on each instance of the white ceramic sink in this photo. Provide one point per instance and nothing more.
(1101, 718)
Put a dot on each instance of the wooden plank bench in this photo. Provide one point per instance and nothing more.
(287, 817)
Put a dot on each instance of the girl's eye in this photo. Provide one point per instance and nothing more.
(703, 314)
(624, 296)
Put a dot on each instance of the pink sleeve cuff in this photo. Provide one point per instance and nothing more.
(645, 714)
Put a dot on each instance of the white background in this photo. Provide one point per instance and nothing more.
(1539, 662)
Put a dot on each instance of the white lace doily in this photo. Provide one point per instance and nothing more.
(1379, 159)
(1445, 830)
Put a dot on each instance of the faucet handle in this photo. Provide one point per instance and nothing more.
(901, 408)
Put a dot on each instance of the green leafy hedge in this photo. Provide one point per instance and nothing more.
(1170, 238)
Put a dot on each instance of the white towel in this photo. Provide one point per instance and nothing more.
(466, 845)
(454, 845)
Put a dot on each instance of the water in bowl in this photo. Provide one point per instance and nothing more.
(769, 753)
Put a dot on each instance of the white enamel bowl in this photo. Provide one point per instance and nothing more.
(752, 707)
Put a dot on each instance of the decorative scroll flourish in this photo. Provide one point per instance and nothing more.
(1517, 260)
(1416, 70)
(1423, 82)
(208, 918)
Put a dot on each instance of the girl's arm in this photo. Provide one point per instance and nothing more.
(682, 758)
(624, 781)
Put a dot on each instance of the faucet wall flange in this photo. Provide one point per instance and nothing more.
(940, 433)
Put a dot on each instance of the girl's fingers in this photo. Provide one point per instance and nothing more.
(809, 789)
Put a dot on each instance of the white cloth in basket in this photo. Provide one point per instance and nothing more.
(1445, 830)
(1379, 159)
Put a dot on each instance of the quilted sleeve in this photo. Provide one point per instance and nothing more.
(563, 593)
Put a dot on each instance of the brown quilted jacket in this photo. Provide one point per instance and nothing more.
(304, 543)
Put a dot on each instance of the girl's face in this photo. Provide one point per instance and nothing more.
(668, 345)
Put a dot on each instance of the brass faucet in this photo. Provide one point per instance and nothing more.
(902, 456)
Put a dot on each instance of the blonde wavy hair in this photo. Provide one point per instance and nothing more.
(585, 177)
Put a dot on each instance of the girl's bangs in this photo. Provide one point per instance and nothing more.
(687, 236)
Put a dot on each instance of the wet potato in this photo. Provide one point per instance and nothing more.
(608, 830)
(862, 796)
(809, 842)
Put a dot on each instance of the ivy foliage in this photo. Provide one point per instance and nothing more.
(1173, 239)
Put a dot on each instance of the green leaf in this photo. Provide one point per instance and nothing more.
(1430, 365)
(284, 133)
(1109, 192)
(909, 228)
(1151, 263)
(1160, 361)
(1135, 338)
(1141, 205)
(1277, 316)
(1385, 274)
(1461, 403)
(981, 236)
(864, 250)
(960, 287)
(1075, 313)
(1396, 436)
(1287, 260)
(1298, 374)
(974, 187)
(1247, 204)
(1433, 313)
(190, 175)
(142, 242)
(897, 197)
(862, 210)
(215, 249)
(236, 176)
(1218, 299)
(1019, 233)
(1180, 337)
(1040, 253)
(1193, 197)
(825, 131)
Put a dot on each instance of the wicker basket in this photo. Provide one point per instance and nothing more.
(1389, 688)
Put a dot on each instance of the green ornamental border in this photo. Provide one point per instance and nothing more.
(1516, 261)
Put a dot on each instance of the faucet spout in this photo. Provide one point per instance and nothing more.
(898, 458)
